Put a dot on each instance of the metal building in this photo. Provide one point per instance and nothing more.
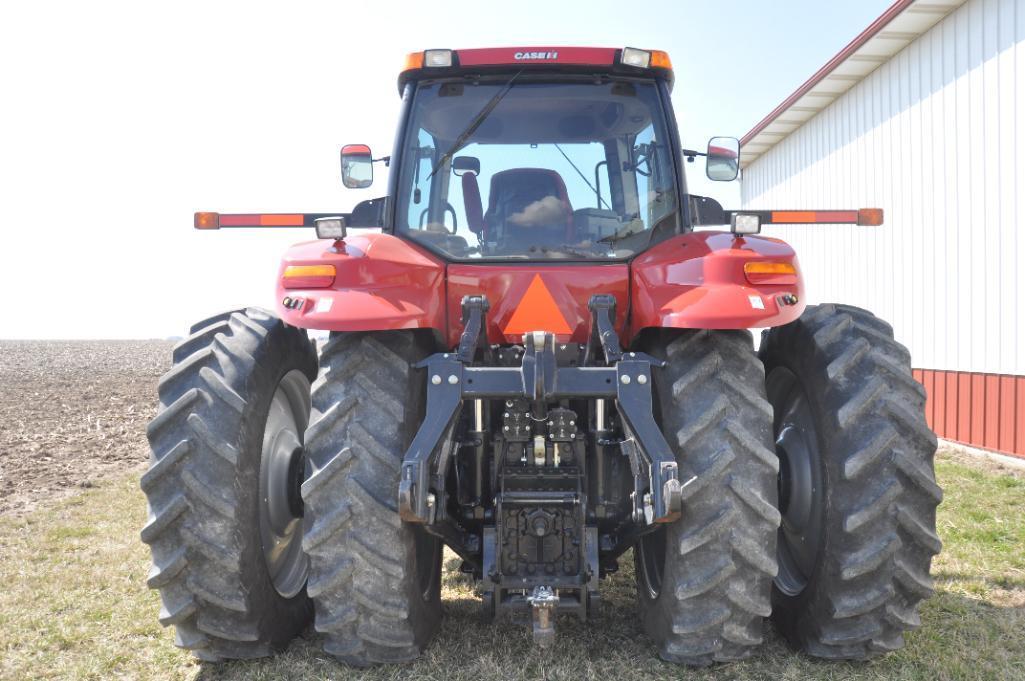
(923, 114)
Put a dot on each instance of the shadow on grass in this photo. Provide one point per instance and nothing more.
(961, 638)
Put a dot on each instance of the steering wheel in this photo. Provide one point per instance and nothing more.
(448, 209)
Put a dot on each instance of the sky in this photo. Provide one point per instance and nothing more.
(119, 120)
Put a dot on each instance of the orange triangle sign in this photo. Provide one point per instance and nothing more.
(537, 311)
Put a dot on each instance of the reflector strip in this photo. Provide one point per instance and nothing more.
(263, 220)
(821, 217)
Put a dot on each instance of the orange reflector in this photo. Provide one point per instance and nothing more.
(282, 220)
(660, 60)
(308, 276)
(808, 217)
(414, 60)
(870, 217)
(766, 272)
(206, 221)
(537, 311)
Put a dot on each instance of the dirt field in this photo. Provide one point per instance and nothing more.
(75, 605)
(72, 413)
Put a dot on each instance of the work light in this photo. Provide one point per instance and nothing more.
(330, 228)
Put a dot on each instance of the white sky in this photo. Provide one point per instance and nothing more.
(119, 120)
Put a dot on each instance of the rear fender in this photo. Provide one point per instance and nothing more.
(382, 283)
(697, 281)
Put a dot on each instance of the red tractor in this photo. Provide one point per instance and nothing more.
(535, 360)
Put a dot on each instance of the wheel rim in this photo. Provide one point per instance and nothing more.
(652, 552)
(801, 492)
(281, 472)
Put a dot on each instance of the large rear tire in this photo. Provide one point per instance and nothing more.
(375, 580)
(226, 545)
(857, 487)
(704, 581)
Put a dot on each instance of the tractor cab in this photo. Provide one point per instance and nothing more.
(560, 154)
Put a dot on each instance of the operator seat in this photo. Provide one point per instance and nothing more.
(529, 206)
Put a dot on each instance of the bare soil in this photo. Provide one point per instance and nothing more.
(72, 412)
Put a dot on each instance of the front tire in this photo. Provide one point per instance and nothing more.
(375, 580)
(858, 490)
(704, 581)
(233, 410)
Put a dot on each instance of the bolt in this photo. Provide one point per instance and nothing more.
(642, 379)
(506, 429)
(505, 415)
(624, 379)
(436, 379)
(430, 500)
(572, 423)
(633, 354)
(551, 436)
(453, 379)
(508, 403)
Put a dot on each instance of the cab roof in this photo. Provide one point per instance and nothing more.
(626, 60)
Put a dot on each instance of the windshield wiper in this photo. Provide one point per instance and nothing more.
(584, 178)
(475, 123)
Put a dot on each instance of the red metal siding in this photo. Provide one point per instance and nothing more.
(978, 407)
(982, 410)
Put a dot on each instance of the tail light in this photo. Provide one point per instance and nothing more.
(767, 272)
(308, 276)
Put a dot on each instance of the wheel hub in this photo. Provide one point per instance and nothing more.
(282, 468)
(801, 491)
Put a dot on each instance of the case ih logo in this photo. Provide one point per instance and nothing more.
(520, 56)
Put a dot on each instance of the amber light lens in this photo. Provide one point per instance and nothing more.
(660, 60)
(870, 217)
(206, 221)
(763, 272)
(414, 60)
(308, 276)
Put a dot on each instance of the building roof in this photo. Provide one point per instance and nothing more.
(898, 26)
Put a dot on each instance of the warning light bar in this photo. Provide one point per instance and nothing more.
(750, 221)
(456, 62)
(219, 220)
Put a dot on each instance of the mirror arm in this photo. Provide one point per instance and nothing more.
(691, 153)
(385, 159)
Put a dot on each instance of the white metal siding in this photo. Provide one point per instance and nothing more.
(936, 137)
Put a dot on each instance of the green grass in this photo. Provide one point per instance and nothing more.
(73, 604)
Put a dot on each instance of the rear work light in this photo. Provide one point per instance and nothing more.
(308, 276)
(429, 59)
(437, 58)
(644, 59)
(765, 272)
(745, 223)
(330, 228)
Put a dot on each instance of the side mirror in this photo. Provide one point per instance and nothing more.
(466, 164)
(357, 166)
(722, 162)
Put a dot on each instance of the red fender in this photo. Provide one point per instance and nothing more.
(697, 281)
(381, 283)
